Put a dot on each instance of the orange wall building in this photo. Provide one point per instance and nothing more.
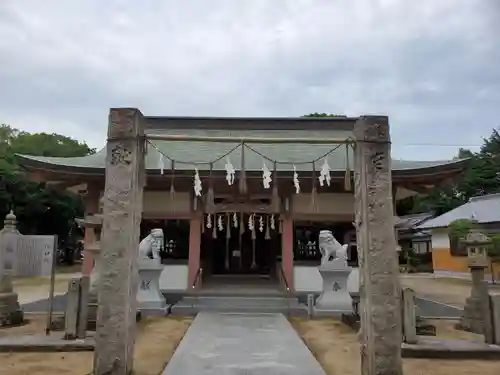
(485, 210)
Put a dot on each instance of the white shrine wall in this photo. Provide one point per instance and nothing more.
(174, 277)
(307, 279)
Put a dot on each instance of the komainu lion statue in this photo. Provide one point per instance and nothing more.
(330, 248)
(151, 245)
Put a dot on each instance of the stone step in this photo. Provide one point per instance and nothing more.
(233, 293)
(240, 301)
(188, 310)
(191, 305)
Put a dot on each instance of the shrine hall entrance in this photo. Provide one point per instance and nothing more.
(236, 249)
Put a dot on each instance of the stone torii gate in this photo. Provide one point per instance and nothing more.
(125, 179)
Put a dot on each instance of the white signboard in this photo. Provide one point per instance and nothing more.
(34, 255)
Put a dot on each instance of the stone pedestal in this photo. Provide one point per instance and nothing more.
(476, 315)
(92, 300)
(334, 299)
(353, 289)
(10, 311)
(89, 302)
(150, 300)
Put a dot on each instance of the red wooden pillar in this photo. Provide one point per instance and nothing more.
(287, 250)
(194, 249)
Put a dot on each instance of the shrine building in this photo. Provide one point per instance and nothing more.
(261, 205)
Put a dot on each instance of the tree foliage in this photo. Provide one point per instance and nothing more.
(317, 114)
(39, 209)
(494, 250)
(15, 141)
(460, 228)
(481, 177)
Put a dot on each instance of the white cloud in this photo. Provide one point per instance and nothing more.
(430, 65)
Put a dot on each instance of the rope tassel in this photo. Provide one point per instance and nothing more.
(275, 200)
(267, 236)
(314, 191)
(347, 177)
(243, 180)
(228, 227)
(172, 186)
(242, 224)
(210, 199)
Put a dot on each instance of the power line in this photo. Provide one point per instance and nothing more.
(433, 145)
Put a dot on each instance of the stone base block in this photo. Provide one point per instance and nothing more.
(424, 328)
(181, 309)
(351, 321)
(153, 312)
(12, 318)
(335, 299)
(331, 313)
(472, 319)
(57, 323)
(10, 311)
(450, 349)
(44, 344)
(150, 300)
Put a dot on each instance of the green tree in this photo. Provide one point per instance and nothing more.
(481, 176)
(15, 141)
(317, 114)
(39, 209)
(464, 153)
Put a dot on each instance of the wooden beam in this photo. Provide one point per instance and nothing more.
(421, 189)
(63, 185)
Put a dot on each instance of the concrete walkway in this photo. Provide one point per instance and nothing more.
(237, 344)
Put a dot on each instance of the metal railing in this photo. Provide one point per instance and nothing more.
(284, 283)
(197, 279)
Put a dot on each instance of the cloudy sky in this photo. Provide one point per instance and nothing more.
(431, 65)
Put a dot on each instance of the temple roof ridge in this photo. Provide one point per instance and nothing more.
(208, 151)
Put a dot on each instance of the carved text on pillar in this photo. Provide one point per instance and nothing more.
(120, 155)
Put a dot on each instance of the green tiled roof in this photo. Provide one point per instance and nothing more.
(195, 152)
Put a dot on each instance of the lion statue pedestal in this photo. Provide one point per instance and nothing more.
(150, 300)
(335, 299)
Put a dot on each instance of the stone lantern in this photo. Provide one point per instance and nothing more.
(476, 244)
(10, 311)
(476, 315)
(94, 224)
